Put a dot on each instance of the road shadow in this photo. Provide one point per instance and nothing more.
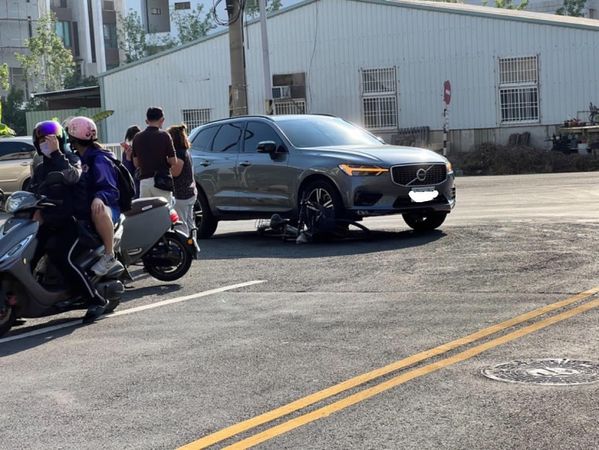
(251, 244)
(70, 323)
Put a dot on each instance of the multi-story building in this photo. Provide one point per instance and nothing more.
(156, 15)
(87, 27)
(17, 23)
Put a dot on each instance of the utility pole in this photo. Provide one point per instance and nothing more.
(238, 104)
(268, 103)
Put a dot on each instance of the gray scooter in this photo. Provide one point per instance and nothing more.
(145, 234)
(27, 291)
(150, 237)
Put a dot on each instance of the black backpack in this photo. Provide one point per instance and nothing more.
(125, 184)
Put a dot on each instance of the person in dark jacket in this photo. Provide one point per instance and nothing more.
(100, 180)
(57, 234)
(128, 154)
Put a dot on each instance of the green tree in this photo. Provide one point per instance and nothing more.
(192, 25)
(572, 8)
(14, 111)
(76, 80)
(132, 36)
(48, 63)
(252, 7)
(509, 4)
(4, 76)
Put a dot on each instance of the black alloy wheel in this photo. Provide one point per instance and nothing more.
(424, 221)
(169, 259)
(322, 193)
(205, 222)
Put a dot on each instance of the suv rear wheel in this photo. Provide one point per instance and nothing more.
(424, 221)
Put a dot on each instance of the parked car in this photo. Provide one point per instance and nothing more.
(16, 155)
(252, 167)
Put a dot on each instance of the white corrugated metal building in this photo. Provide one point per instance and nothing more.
(382, 64)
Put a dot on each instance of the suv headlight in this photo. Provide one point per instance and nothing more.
(360, 170)
(449, 167)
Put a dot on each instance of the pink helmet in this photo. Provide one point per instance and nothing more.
(82, 128)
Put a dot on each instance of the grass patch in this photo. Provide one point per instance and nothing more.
(491, 159)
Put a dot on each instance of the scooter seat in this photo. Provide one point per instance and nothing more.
(141, 205)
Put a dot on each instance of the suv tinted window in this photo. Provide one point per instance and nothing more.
(15, 150)
(203, 141)
(227, 138)
(257, 132)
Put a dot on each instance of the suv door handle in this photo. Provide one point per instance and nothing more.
(205, 163)
(245, 164)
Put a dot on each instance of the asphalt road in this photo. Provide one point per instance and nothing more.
(352, 344)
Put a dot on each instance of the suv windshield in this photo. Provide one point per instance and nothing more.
(306, 132)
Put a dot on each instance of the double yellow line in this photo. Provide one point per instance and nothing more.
(325, 411)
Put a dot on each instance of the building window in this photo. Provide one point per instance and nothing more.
(108, 5)
(290, 106)
(63, 30)
(110, 38)
(379, 98)
(519, 89)
(182, 5)
(195, 117)
(58, 3)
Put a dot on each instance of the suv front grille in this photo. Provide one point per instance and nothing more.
(419, 174)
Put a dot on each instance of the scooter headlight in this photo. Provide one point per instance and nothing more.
(15, 249)
(19, 200)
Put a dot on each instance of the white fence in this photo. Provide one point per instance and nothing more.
(291, 106)
(114, 148)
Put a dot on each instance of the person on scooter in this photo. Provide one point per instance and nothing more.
(100, 180)
(58, 231)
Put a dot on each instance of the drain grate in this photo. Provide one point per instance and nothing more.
(547, 372)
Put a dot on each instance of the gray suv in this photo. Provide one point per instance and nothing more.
(251, 167)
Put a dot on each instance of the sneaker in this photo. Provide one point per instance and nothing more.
(104, 264)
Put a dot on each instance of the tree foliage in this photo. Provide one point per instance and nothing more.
(136, 43)
(4, 76)
(572, 8)
(132, 36)
(192, 25)
(13, 111)
(48, 63)
(509, 4)
(252, 7)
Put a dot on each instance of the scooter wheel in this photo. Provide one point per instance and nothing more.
(169, 259)
(8, 316)
(112, 304)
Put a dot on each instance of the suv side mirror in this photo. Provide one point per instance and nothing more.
(266, 147)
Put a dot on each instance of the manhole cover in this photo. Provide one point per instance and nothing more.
(548, 372)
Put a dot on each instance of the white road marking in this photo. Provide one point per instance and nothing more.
(124, 312)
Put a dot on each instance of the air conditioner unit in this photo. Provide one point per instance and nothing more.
(281, 92)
